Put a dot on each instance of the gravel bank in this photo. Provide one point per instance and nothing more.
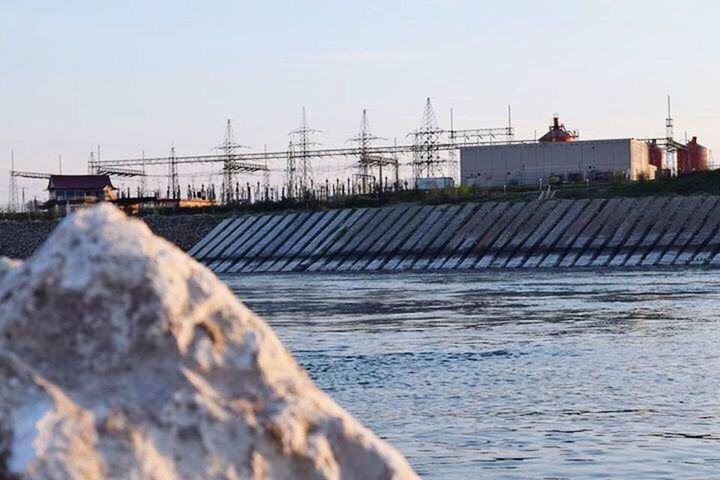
(20, 238)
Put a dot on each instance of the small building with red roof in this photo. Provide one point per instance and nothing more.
(74, 189)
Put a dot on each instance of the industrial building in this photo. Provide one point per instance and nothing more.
(558, 156)
(487, 157)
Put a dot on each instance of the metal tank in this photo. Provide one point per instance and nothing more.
(697, 155)
(683, 161)
(657, 155)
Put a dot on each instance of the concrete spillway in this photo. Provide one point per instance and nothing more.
(619, 232)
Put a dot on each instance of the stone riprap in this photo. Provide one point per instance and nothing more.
(618, 232)
(122, 357)
(20, 238)
(182, 230)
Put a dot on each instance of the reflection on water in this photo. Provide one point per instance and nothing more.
(590, 374)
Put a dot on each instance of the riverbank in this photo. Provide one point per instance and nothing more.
(20, 238)
(616, 232)
(644, 230)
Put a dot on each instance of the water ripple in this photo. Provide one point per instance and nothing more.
(575, 374)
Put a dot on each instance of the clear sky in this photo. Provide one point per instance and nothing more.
(141, 75)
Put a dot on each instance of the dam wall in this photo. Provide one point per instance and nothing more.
(616, 232)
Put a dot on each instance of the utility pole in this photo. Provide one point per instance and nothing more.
(511, 131)
(397, 167)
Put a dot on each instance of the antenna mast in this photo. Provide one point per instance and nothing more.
(669, 140)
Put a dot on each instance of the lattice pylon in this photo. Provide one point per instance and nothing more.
(426, 156)
(364, 140)
(230, 150)
(290, 172)
(13, 205)
(301, 143)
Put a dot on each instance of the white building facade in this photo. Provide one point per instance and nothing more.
(549, 162)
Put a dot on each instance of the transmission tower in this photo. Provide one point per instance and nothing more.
(229, 149)
(290, 172)
(364, 140)
(13, 198)
(426, 157)
(266, 176)
(453, 154)
(302, 141)
(173, 180)
(143, 178)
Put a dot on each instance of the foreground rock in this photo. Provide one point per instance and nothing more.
(121, 357)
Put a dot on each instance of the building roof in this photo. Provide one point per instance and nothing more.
(79, 182)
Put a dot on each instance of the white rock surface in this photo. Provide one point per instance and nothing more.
(121, 357)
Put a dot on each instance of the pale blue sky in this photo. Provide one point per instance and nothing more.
(136, 75)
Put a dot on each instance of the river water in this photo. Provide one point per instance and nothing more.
(582, 374)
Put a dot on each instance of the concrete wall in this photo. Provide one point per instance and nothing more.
(526, 164)
(620, 232)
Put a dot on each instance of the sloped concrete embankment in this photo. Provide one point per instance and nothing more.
(618, 232)
(121, 357)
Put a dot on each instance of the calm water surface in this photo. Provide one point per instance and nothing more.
(516, 374)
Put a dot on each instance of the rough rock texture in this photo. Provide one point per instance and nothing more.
(183, 230)
(20, 238)
(121, 357)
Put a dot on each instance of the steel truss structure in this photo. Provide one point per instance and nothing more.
(428, 142)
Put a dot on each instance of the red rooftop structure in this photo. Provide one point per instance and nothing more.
(77, 190)
(558, 133)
